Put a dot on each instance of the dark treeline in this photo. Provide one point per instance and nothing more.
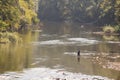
(84, 11)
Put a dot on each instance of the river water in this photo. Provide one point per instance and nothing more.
(52, 54)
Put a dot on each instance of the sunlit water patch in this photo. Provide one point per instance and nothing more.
(83, 40)
(53, 42)
(82, 54)
(69, 41)
(49, 74)
(48, 35)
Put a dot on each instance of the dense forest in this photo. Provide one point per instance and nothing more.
(84, 11)
(14, 14)
(17, 14)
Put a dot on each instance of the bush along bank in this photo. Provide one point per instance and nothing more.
(113, 30)
(9, 37)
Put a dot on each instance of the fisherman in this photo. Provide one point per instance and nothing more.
(78, 53)
(78, 56)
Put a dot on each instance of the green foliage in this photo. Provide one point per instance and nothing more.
(35, 20)
(27, 7)
(76, 10)
(8, 13)
(85, 11)
(117, 28)
(12, 12)
(3, 25)
(108, 29)
(111, 29)
(8, 37)
(111, 6)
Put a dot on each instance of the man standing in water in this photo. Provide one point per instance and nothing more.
(78, 53)
(78, 56)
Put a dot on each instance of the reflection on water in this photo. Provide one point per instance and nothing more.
(111, 38)
(56, 48)
(67, 41)
(16, 57)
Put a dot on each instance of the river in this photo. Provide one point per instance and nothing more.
(51, 54)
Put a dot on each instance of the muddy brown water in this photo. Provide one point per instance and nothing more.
(56, 47)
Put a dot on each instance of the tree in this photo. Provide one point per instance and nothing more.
(111, 7)
(84, 11)
(15, 13)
